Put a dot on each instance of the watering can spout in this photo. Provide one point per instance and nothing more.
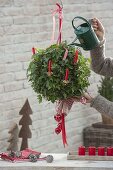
(75, 44)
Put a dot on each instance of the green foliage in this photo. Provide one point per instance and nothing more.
(52, 87)
(106, 88)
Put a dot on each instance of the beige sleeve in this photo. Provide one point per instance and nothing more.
(102, 105)
(99, 63)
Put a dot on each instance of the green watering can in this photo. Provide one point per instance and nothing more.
(85, 34)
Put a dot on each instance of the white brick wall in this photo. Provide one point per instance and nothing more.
(24, 24)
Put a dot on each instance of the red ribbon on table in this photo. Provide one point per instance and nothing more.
(59, 11)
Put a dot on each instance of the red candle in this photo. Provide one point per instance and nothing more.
(65, 54)
(109, 151)
(92, 150)
(33, 50)
(81, 150)
(66, 74)
(101, 151)
(76, 56)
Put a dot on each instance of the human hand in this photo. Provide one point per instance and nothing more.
(98, 28)
(84, 99)
(88, 97)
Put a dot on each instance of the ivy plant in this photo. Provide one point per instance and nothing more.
(52, 86)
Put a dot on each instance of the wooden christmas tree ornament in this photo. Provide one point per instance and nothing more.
(13, 139)
(25, 121)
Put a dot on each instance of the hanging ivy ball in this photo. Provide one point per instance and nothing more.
(58, 72)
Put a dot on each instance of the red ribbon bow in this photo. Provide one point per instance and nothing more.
(63, 107)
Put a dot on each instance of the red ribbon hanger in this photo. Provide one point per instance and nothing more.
(60, 17)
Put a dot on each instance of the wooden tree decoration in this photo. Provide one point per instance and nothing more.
(25, 121)
(13, 139)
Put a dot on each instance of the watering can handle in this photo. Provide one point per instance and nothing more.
(82, 19)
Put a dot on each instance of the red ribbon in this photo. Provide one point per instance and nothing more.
(62, 109)
(59, 11)
(64, 137)
(60, 118)
(24, 155)
(60, 23)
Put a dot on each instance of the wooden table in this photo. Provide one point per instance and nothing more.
(60, 163)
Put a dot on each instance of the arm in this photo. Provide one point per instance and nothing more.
(99, 63)
(101, 104)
